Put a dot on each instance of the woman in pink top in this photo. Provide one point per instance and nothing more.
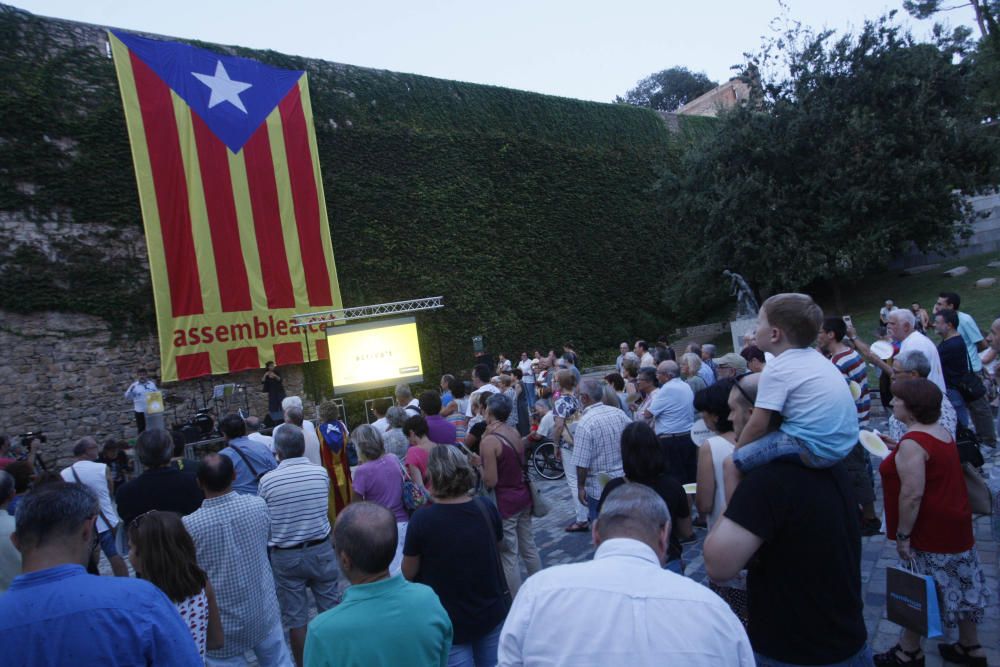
(419, 452)
(503, 471)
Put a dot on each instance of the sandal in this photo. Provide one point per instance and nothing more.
(958, 653)
(578, 527)
(891, 657)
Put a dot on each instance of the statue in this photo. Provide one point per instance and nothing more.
(747, 302)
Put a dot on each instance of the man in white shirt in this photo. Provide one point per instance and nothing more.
(622, 608)
(302, 557)
(672, 409)
(253, 432)
(86, 471)
(527, 377)
(642, 351)
(10, 557)
(480, 383)
(136, 393)
(405, 400)
(293, 416)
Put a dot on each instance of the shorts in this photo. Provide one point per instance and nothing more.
(107, 542)
(296, 571)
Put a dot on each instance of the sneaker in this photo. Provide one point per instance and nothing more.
(870, 527)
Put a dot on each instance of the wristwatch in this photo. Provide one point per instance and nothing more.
(902, 536)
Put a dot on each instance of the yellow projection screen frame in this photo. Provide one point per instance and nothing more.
(374, 354)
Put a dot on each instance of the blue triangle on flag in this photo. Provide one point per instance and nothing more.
(232, 95)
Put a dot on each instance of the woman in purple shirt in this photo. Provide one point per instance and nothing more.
(379, 479)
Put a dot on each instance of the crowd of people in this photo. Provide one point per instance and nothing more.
(413, 538)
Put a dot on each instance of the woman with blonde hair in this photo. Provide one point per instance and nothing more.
(460, 528)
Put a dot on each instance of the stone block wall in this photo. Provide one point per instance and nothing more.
(65, 374)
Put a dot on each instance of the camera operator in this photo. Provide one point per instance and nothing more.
(29, 441)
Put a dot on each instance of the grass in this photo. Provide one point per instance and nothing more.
(864, 302)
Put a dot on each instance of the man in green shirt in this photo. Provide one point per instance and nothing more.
(383, 621)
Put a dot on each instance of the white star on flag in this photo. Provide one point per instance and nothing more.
(223, 88)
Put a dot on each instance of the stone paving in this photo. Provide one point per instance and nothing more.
(557, 547)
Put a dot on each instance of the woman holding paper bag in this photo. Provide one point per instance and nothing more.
(927, 513)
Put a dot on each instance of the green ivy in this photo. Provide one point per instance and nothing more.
(538, 218)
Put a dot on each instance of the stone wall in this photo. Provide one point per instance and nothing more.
(65, 374)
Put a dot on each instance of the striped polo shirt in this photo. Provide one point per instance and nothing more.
(855, 369)
(297, 495)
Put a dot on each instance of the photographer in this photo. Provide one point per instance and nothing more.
(29, 441)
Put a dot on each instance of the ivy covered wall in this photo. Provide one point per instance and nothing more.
(537, 218)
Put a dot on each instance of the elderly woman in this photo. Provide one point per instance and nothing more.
(712, 403)
(502, 453)
(690, 364)
(566, 413)
(460, 529)
(334, 456)
(456, 409)
(379, 479)
(927, 513)
(394, 440)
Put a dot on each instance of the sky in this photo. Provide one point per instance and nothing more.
(585, 49)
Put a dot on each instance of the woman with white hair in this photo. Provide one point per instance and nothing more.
(460, 529)
(379, 479)
(690, 364)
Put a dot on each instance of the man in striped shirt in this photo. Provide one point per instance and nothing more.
(855, 370)
(302, 557)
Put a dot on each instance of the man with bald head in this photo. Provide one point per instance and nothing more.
(807, 520)
(635, 611)
(230, 533)
(672, 411)
(366, 535)
(96, 476)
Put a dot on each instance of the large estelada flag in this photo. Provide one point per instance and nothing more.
(232, 202)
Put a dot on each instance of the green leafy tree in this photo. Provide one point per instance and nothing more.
(986, 11)
(866, 144)
(669, 89)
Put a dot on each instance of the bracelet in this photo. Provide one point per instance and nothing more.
(902, 537)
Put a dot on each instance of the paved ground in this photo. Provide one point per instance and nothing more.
(558, 546)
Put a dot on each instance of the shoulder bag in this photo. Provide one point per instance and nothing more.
(970, 386)
(414, 495)
(253, 471)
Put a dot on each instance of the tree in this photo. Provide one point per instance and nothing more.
(866, 143)
(667, 90)
(987, 11)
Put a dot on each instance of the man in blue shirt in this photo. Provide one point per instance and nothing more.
(57, 614)
(251, 458)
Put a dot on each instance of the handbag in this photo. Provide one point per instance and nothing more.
(414, 496)
(970, 386)
(967, 443)
(911, 600)
(507, 597)
(539, 506)
(980, 496)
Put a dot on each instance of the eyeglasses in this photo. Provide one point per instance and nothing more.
(741, 389)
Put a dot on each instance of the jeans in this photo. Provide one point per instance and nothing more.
(862, 658)
(297, 571)
(529, 392)
(774, 446)
(592, 505)
(480, 652)
(271, 652)
(955, 396)
(518, 542)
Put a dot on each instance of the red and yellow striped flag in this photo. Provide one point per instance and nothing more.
(232, 202)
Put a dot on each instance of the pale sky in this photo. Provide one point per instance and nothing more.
(587, 49)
